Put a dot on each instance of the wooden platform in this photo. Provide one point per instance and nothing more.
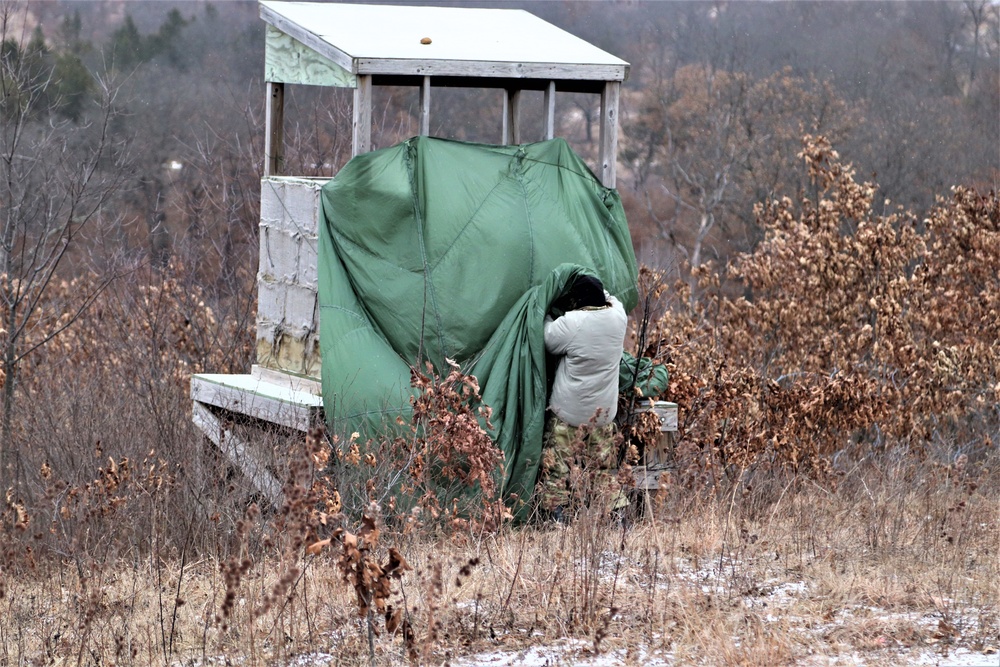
(269, 396)
(296, 403)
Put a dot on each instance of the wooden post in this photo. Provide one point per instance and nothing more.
(425, 107)
(515, 116)
(550, 110)
(362, 140)
(274, 120)
(505, 121)
(238, 451)
(609, 132)
(511, 117)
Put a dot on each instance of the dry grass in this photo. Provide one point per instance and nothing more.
(124, 539)
(896, 558)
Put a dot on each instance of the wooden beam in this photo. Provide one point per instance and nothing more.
(562, 85)
(274, 137)
(505, 121)
(487, 69)
(550, 110)
(425, 106)
(259, 399)
(609, 132)
(515, 116)
(362, 140)
(238, 452)
(512, 117)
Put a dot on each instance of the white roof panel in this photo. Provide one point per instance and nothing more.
(386, 39)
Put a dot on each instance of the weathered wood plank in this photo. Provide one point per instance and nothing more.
(648, 478)
(562, 85)
(238, 452)
(425, 106)
(550, 110)
(274, 137)
(660, 452)
(512, 70)
(287, 60)
(667, 412)
(512, 120)
(609, 133)
(307, 37)
(253, 397)
(505, 130)
(287, 380)
(362, 139)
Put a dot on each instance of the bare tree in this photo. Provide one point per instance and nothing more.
(979, 13)
(56, 175)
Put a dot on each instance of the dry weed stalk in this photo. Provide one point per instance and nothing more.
(454, 466)
(885, 550)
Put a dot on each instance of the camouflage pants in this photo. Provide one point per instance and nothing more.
(579, 467)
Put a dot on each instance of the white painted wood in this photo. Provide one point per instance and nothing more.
(371, 38)
(550, 110)
(305, 36)
(287, 276)
(238, 452)
(425, 107)
(297, 383)
(274, 122)
(609, 133)
(362, 139)
(254, 397)
(290, 61)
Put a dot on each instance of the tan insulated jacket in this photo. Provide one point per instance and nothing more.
(586, 381)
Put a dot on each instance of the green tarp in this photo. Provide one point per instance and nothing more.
(436, 248)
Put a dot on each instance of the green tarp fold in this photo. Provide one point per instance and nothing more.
(437, 249)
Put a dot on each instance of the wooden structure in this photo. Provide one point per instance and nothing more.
(361, 46)
(659, 458)
(358, 47)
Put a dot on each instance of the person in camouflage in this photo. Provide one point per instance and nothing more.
(579, 465)
(579, 456)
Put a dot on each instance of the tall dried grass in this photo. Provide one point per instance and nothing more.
(816, 506)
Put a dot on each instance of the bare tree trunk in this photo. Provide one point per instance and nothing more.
(977, 10)
(704, 225)
(9, 458)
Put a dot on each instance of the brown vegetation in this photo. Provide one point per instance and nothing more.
(857, 331)
(832, 489)
(835, 357)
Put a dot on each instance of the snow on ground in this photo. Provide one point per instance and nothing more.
(564, 652)
(958, 658)
(773, 600)
(573, 652)
(774, 595)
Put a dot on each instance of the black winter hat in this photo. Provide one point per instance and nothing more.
(585, 291)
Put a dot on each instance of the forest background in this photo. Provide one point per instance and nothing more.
(820, 302)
